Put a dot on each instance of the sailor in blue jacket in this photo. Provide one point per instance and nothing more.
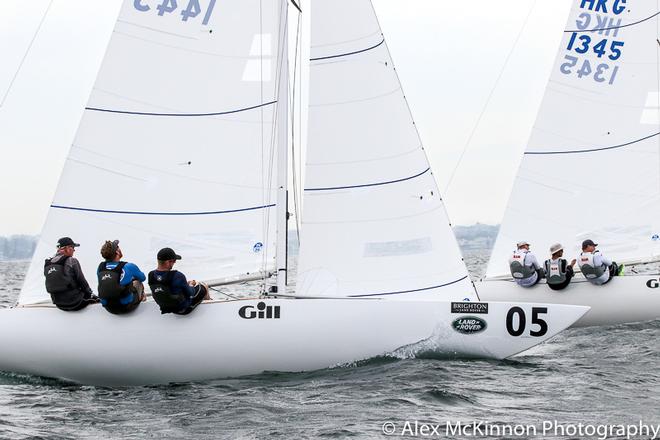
(120, 283)
(170, 288)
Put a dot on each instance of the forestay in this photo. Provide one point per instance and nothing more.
(176, 145)
(592, 166)
(373, 222)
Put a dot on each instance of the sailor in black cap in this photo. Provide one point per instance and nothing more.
(65, 281)
(170, 288)
(596, 267)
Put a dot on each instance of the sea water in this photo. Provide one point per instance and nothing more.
(584, 383)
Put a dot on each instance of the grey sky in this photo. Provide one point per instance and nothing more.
(449, 55)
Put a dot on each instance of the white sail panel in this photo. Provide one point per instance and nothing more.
(177, 142)
(592, 165)
(373, 222)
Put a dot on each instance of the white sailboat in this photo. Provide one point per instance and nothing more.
(184, 143)
(591, 169)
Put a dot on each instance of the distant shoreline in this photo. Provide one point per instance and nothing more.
(478, 236)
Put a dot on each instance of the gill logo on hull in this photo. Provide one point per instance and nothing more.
(261, 311)
(653, 283)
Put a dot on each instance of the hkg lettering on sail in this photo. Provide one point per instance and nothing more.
(469, 325)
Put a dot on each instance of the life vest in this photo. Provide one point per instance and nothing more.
(517, 265)
(110, 288)
(57, 281)
(589, 270)
(161, 290)
(555, 271)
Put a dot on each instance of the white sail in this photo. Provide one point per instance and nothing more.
(373, 222)
(177, 145)
(592, 166)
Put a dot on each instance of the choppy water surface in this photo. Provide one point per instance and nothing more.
(594, 376)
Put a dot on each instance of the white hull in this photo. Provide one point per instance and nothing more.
(145, 347)
(622, 300)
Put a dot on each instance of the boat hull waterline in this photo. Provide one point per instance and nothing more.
(237, 338)
(626, 299)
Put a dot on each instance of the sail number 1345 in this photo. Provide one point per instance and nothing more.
(518, 328)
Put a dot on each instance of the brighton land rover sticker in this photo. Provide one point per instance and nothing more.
(469, 307)
(469, 325)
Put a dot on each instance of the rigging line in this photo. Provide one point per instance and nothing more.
(349, 53)
(27, 51)
(264, 221)
(409, 291)
(490, 96)
(592, 150)
(293, 130)
(296, 5)
(228, 112)
(614, 27)
(657, 79)
(282, 45)
(108, 211)
(389, 182)
(268, 185)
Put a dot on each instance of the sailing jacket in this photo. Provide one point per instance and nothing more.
(70, 298)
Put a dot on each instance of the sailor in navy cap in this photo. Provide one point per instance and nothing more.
(65, 281)
(595, 266)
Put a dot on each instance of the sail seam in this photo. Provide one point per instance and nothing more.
(614, 27)
(106, 211)
(348, 53)
(125, 112)
(410, 291)
(370, 184)
(592, 150)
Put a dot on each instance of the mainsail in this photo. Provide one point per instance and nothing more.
(178, 142)
(592, 165)
(373, 222)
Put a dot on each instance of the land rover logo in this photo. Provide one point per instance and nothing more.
(469, 324)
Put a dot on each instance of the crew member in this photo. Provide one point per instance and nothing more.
(68, 288)
(525, 268)
(596, 267)
(558, 272)
(120, 283)
(171, 290)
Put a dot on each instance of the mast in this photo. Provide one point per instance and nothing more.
(282, 151)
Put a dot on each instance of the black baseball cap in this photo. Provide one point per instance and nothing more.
(66, 241)
(586, 243)
(167, 254)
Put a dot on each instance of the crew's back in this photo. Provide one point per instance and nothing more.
(65, 281)
(170, 288)
(120, 282)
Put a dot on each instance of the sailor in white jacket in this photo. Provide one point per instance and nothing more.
(525, 268)
(596, 267)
